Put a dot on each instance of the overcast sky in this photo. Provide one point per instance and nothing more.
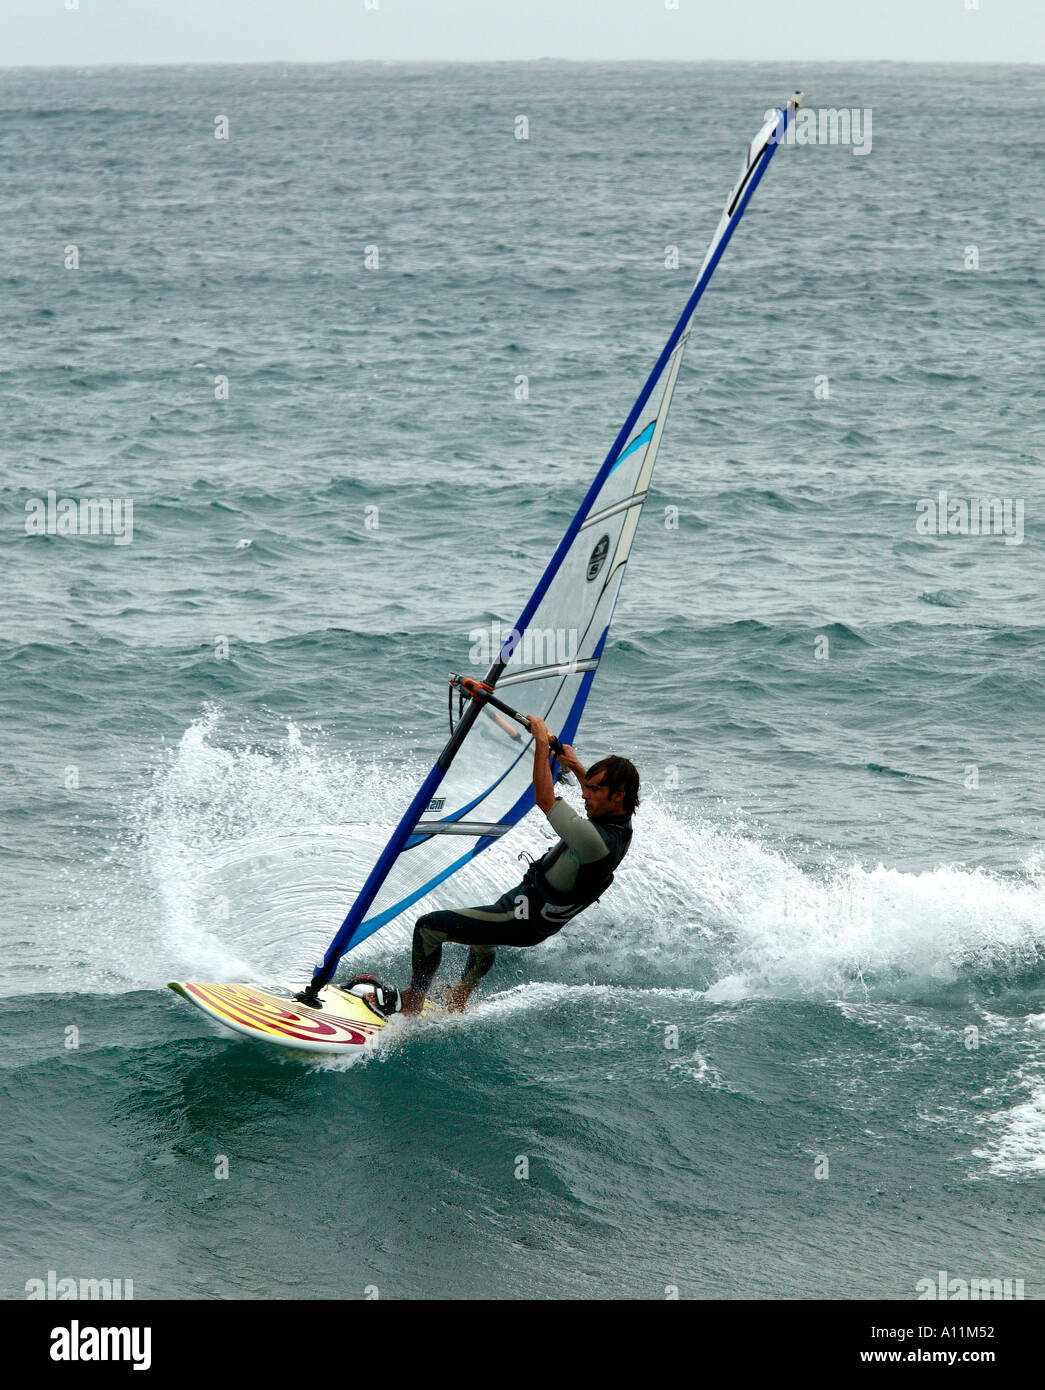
(87, 32)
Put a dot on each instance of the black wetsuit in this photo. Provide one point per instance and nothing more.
(564, 882)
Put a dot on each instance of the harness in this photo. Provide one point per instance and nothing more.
(592, 881)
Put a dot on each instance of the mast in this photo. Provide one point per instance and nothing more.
(760, 152)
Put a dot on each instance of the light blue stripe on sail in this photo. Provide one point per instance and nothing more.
(640, 439)
(371, 924)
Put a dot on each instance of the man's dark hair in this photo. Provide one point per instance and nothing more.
(620, 776)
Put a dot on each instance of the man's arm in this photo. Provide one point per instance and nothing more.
(543, 791)
(581, 835)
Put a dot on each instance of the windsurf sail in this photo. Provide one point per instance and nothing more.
(481, 784)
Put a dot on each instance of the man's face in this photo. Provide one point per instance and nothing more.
(597, 799)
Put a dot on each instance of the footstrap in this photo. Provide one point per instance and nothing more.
(382, 1000)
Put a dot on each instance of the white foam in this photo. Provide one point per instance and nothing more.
(1020, 1147)
(711, 898)
(253, 855)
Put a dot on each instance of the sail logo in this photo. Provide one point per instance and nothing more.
(971, 516)
(537, 646)
(827, 126)
(959, 1289)
(598, 556)
(80, 516)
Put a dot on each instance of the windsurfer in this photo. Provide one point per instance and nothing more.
(569, 878)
